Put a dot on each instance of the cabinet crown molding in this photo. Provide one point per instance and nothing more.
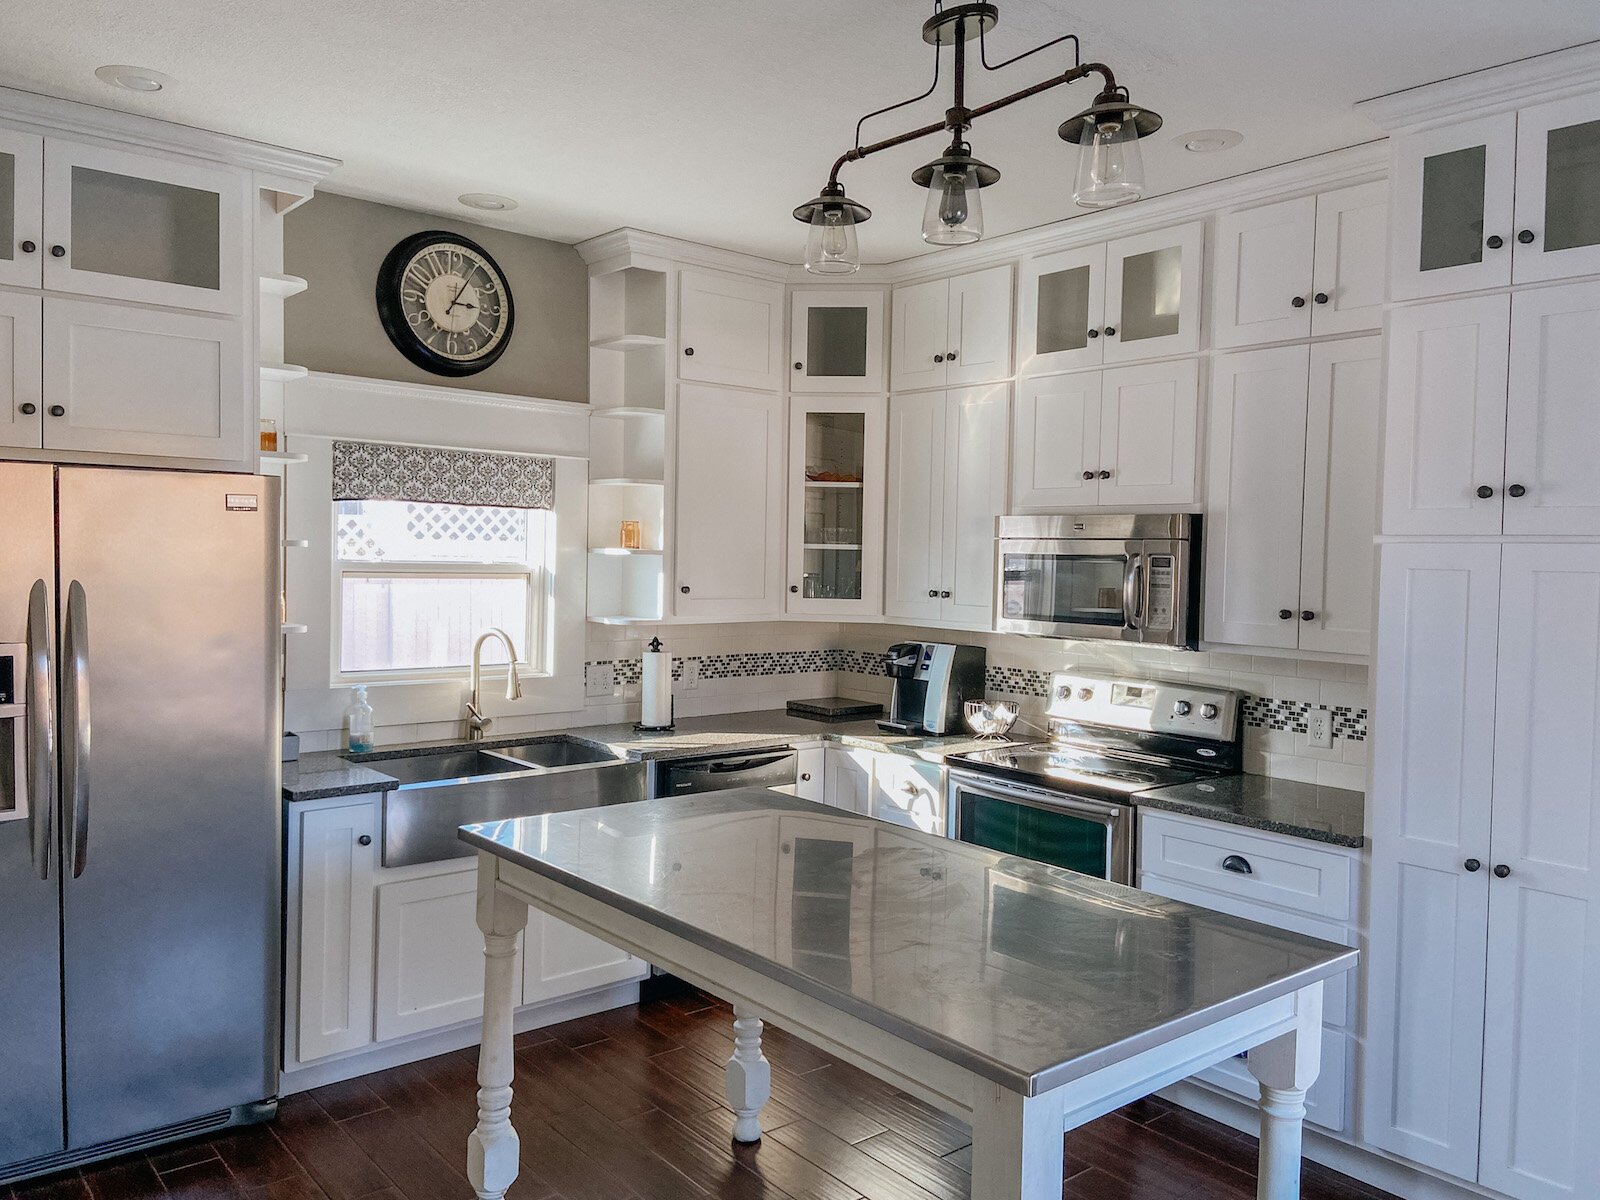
(47, 115)
(1494, 89)
(630, 243)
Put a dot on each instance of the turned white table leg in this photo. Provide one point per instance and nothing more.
(492, 1146)
(1016, 1145)
(748, 1076)
(1286, 1067)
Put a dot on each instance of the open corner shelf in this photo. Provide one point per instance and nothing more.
(629, 411)
(293, 628)
(626, 481)
(623, 552)
(628, 341)
(283, 456)
(282, 372)
(282, 285)
(296, 543)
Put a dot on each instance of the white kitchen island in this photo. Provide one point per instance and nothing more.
(1017, 996)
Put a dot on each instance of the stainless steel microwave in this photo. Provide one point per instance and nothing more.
(1118, 577)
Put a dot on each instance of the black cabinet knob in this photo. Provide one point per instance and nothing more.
(1501, 870)
(1516, 491)
(938, 358)
(688, 351)
(933, 593)
(1111, 331)
(684, 589)
(950, 356)
(364, 840)
(1298, 302)
(1321, 297)
(794, 587)
(1495, 241)
(1088, 474)
(1472, 865)
(799, 366)
(1105, 474)
(944, 595)
(805, 776)
(1308, 615)
(27, 247)
(1094, 333)
(1524, 236)
(55, 410)
(58, 251)
(1485, 492)
(1238, 864)
(1285, 614)
(27, 408)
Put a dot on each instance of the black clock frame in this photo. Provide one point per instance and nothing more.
(391, 277)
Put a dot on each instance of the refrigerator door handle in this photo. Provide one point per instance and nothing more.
(75, 723)
(41, 773)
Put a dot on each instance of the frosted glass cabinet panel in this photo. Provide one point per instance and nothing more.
(137, 227)
(21, 165)
(1558, 190)
(1063, 303)
(836, 341)
(1152, 300)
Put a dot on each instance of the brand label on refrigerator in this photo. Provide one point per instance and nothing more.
(239, 502)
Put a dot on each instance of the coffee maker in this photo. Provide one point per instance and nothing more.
(931, 680)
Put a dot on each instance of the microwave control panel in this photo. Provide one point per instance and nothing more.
(1161, 593)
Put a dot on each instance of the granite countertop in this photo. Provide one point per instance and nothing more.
(329, 773)
(1303, 810)
(1026, 974)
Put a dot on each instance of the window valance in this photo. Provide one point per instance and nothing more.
(433, 475)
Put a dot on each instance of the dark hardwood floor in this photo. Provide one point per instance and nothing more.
(628, 1105)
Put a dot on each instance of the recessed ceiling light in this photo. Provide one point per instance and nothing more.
(134, 79)
(1208, 141)
(487, 201)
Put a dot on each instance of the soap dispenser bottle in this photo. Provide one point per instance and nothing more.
(358, 722)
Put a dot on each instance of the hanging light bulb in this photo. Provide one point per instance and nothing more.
(953, 215)
(1110, 163)
(831, 245)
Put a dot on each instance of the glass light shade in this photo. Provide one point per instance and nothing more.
(1110, 165)
(831, 247)
(954, 212)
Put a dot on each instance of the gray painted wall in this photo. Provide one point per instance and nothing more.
(337, 244)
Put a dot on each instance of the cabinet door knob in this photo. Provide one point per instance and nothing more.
(950, 356)
(1495, 241)
(938, 358)
(688, 351)
(684, 589)
(1094, 333)
(27, 247)
(933, 593)
(944, 595)
(55, 410)
(1111, 331)
(1501, 871)
(1516, 491)
(1321, 297)
(1298, 302)
(27, 408)
(1088, 474)
(1308, 615)
(1105, 474)
(805, 776)
(58, 251)
(1472, 865)
(1524, 236)
(1285, 614)
(799, 366)
(364, 840)
(1485, 492)
(794, 587)
(1238, 864)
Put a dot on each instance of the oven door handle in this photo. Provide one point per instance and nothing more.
(1133, 591)
(980, 785)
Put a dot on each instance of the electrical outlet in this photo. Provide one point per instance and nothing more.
(691, 674)
(599, 679)
(1319, 729)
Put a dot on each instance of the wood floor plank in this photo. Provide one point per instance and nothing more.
(906, 1115)
(339, 1166)
(67, 1185)
(698, 1072)
(714, 1168)
(351, 1098)
(254, 1156)
(566, 1169)
(294, 1187)
(124, 1179)
(931, 1172)
(846, 1162)
(414, 1167)
(650, 1079)
(208, 1179)
(770, 1160)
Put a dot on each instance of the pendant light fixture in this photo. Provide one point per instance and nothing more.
(1110, 167)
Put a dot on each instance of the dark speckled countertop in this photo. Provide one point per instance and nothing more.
(1303, 810)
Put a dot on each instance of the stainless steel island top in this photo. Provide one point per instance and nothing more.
(1024, 974)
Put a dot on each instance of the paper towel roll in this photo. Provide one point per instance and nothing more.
(655, 710)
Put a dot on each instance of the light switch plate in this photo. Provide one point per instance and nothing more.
(1319, 729)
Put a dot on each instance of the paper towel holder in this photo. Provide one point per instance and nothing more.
(655, 647)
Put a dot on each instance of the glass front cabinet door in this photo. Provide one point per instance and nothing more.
(1152, 297)
(1558, 190)
(1063, 301)
(837, 453)
(21, 208)
(153, 230)
(836, 341)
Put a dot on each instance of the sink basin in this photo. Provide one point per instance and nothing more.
(447, 766)
(560, 753)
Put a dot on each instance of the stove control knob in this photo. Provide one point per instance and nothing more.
(1208, 711)
(1182, 708)
(1063, 693)
(1085, 693)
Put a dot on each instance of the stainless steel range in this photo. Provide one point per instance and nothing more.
(1071, 801)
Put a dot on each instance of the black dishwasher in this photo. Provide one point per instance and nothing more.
(721, 772)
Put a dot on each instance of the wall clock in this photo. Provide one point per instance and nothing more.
(444, 303)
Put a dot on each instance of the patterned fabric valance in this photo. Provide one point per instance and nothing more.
(429, 475)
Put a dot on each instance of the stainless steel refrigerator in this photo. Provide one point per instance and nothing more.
(139, 808)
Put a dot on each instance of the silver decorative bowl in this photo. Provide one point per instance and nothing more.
(991, 719)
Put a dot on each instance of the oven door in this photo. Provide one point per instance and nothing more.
(1089, 836)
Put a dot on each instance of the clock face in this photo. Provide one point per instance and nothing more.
(444, 303)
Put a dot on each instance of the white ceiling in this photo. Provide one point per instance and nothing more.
(712, 119)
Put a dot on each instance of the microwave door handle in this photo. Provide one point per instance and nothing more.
(76, 730)
(40, 777)
(1133, 591)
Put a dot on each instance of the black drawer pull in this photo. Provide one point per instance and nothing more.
(364, 840)
(1238, 864)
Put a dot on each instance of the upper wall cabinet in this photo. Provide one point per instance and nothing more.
(21, 364)
(836, 481)
(1509, 198)
(144, 228)
(730, 330)
(950, 332)
(1304, 267)
(836, 341)
(21, 208)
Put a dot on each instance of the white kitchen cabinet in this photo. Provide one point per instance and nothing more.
(429, 954)
(1150, 434)
(729, 503)
(1557, 190)
(1055, 442)
(22, 250)
(144, 228)
(836, 490)
(836, 340)
(1061, 317)
(1152, 301)
(333, 859)
(950, 332)
(1292, 496)
(947, 484)
(730, 329)
(21, 371)
(558, 960)
(121, 379)
(1308, 266)
(811, 773)
(909, 792)
(849, 778)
